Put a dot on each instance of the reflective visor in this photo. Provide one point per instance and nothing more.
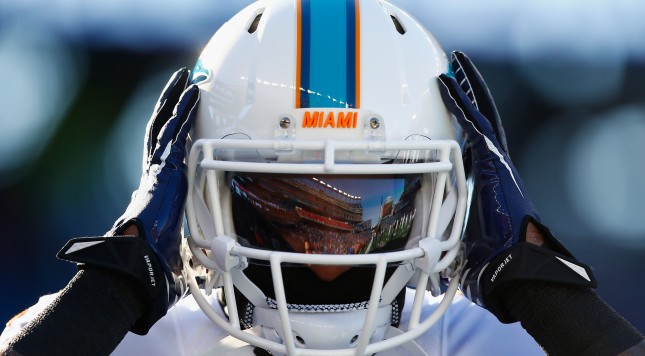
(323, 214)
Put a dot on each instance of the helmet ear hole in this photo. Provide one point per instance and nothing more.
(397, 24)
(254, 24)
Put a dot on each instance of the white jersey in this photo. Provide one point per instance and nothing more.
(465, 329)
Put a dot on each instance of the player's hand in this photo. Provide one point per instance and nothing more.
(157, 206)
(495, 235)
(155, 211)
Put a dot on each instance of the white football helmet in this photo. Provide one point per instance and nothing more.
(325, 176)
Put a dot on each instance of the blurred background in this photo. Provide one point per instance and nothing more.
(79, 80)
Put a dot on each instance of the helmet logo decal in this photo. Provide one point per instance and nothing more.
(200, 73)
(331, 119)
(328, 54)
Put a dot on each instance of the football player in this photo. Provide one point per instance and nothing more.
(341, 177)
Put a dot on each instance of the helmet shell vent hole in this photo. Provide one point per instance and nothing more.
(300, 340)
(253, 26)
(397, 24)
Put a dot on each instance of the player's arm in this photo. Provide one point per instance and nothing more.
(90, 316)
(568, 319)
(128, 279)
(515, 267)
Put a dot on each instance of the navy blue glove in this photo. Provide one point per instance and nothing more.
(500, 211)
(156, 208)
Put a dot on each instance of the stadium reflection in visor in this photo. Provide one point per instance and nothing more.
(325, 214)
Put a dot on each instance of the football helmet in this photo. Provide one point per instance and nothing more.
(325, 177)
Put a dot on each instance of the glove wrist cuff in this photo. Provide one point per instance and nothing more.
(526, 261)
(132, 257)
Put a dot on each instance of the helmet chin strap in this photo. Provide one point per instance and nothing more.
(319, 328)
(390, 291)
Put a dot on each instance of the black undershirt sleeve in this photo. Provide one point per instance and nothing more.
(569, 320)
(90, 317)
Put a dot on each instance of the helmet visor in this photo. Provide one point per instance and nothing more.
(323, 214)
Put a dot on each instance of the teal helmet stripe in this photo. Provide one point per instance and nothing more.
(328, 54)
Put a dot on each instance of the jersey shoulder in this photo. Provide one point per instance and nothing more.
(20, 320)
(468, 329)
